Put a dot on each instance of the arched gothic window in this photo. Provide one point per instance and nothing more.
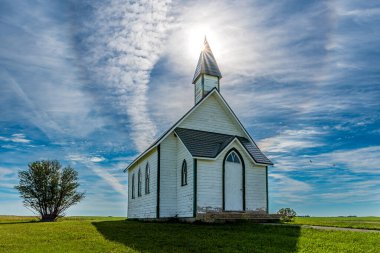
(184, 173)
(233, 157)
(139, 183)
(147, 178)
(133, 186)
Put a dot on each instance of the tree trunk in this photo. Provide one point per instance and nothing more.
(48, 217)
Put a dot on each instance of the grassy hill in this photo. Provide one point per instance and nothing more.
(106, 234)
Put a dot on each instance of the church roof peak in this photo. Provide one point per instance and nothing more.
(206, 63)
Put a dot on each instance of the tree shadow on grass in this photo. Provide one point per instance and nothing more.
(179, 237)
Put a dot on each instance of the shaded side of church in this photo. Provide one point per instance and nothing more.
(206, 164)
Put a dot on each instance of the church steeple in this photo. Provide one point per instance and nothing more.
(207, 73)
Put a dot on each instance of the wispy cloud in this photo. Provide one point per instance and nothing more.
(5, 171)
(8, 179)
(103, 172)
(121, 55)
(110, 179)
(360, 160)
(18, 138)
(97, 159)
(83, 158)
(39, 75)
(364, 161)
(292, 140)
(286, 189)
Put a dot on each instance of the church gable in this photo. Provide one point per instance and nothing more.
(213, 116)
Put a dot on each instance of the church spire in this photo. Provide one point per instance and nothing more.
(206, 63)
(207, 73)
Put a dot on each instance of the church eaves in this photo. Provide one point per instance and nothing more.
(206, 63)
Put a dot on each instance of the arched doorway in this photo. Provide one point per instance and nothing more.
(233, 183)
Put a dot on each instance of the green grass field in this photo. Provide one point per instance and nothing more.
(103, 234)
(345, 222)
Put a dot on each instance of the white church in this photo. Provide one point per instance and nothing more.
(205, 164)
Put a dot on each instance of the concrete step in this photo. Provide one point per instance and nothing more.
(236, 216)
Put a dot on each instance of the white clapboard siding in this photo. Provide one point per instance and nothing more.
(184, 193)
(256, 195)
(210, 180)
(168, 176)
(211, 116)
(210, 82)
(144, 206)
(198, 90)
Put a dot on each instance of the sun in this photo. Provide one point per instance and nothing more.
(196, 36)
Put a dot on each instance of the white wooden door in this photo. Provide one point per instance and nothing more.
(233, 184)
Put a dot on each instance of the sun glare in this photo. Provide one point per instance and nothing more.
(196, 38)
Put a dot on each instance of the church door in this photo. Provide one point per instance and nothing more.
(233, 179)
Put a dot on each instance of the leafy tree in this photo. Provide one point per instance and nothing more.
(48, 189)
(287, 214)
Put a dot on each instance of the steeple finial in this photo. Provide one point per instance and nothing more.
(206, 46)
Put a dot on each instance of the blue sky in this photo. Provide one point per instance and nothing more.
(92, 83)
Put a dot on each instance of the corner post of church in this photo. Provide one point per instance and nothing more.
(195, 165)
(195, 96)
(266, 176)
(223, 184)
(158, 181)
(203, 85)
(243, 182)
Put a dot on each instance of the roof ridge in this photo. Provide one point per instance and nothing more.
(208, 131)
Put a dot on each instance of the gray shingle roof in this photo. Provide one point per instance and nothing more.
(206, 63)
(254, 151)
(209, 145)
